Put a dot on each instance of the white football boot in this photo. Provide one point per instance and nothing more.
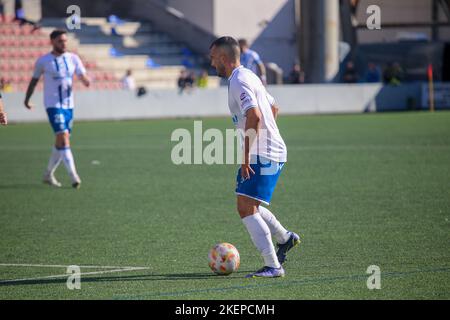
(51, 180)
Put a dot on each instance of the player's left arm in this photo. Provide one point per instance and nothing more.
(262, 72)
(273, 105)
(261, 67)
(85, 79)
(80, 70)
(275, 111)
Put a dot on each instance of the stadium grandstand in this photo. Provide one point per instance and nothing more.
(108, 48)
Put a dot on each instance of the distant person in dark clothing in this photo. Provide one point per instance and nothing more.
(2, 12)
(190, 80)
(373, 73)
(182, 81)
(20, 15)
(185, 81)
(350, 75)
(296, 76)
(393, 74)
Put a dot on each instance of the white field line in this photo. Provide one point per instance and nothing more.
(61, 266)
(80, 274)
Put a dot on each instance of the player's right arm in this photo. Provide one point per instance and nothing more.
(38, 70)
(29, 93)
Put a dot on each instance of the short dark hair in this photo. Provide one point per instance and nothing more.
(243, 42)
(56, 33)
(229, 44)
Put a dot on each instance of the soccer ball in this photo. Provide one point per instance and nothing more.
(224, 259)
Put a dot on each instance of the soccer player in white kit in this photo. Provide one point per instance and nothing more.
(59, 68)
(254, 110)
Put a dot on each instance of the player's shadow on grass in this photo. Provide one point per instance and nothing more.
(22, 186)
(138, 277)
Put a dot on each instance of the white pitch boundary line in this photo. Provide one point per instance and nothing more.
(59, 266)
(115, 270)
(68, 274)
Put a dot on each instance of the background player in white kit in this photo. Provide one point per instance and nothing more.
(250, 59)
(59, 68)
(253, 109)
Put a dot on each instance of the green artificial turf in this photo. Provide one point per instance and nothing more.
(361, 190)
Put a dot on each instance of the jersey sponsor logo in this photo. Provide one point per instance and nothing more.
(243, 95)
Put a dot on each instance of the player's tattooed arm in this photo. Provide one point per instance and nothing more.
(3, 118)
(29, 93)
(253, 119)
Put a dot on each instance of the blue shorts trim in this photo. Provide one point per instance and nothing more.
(60, 119)
(261, 185)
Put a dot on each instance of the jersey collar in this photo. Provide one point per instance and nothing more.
(234, 71)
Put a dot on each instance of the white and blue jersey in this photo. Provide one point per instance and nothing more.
(58, 74)
(246, 91)
(268, 152)
(250, 60)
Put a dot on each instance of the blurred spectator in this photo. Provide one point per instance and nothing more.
(20, 15)
(190, 80)
(250, 59)
(353, 10)
(296, 76)
(2, 12)
(113, 22)
(202, 81)
(186, 81)
(393, 74)
(182, 81)
(5, 85)
(128, 81)
(373, 73)
(141, 91)
(350, 75)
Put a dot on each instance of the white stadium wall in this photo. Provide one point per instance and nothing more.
(292, 99)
